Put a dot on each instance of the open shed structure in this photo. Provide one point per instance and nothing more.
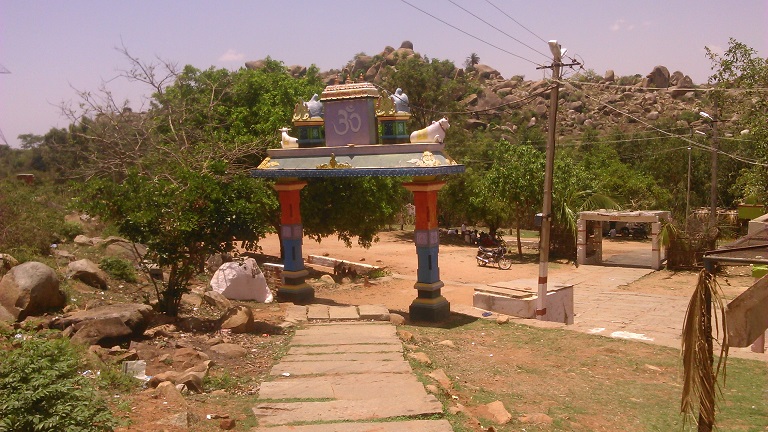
(589, 240)
(346, 143)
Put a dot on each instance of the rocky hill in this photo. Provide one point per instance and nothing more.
(587, 100)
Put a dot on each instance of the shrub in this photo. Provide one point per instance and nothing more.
(70, 230)
(29, 217)
(119, 269)
(43, 389)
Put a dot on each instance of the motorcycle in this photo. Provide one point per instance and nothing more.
(495, 255)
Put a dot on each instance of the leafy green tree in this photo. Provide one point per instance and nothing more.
(740, 78)
(182, 220)
(432, 88)
(514, 181)
(349, 207)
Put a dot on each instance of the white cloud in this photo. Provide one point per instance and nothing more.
(231, 56)
(622, 24)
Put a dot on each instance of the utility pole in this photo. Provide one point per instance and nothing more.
(546, 212)
(713, 186)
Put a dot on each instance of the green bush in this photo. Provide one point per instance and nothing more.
(119, 269)
(30, 217)
(43, 389)
(70, 230)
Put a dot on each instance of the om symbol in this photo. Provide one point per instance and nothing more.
(349, 120)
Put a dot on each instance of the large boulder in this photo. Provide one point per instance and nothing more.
(87, 272)
(135, 316)
(126, 250)
(106, 332)
(659, 77)
(241, 280)
(30, 289)
(485, 71)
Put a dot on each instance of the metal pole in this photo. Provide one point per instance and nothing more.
(713, 185)
(688, 194)
(541, 305)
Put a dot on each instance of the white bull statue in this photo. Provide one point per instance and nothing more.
(434, 133)
(287, 141)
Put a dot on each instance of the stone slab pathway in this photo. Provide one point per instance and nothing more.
(345, 377)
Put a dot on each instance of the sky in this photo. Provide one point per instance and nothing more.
(53, 49)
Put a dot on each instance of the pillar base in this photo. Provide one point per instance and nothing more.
(431, 310)
(299, 294)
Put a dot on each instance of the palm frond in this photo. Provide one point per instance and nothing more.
(700, 377)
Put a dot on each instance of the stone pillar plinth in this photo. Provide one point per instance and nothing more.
(429, 305)
(294, 288)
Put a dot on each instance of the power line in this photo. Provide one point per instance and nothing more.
(500, 30)
(688, 140)
(506, 104)
(516, 22)
(469, 34)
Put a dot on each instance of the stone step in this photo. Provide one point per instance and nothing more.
(275, 414)
(344, 387)
(395, 426)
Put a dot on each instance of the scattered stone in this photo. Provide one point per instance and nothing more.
(396, 319)
(227, 424)
(405, 335)
(237, 319)
(498, 413)
(535, 418)
(87, 272)
(7, 262)
(30, 289)
(432, 388)
(659, 77)
(168, 391)
(133, 252)
(186, 358)
(82, 240)
(181, 420)
(420, 357)
(448, 343)
(229, 350)
(441, 378)
(217, 300)
(502, 319)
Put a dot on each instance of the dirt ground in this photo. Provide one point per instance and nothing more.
(396, 253)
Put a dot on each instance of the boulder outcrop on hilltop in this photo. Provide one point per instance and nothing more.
(585, 101)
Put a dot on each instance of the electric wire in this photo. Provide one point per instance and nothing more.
(500, 30)
(480, 111)
(688, 140)
(470, 35)
(516, 22)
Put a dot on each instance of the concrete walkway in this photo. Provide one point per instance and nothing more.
(345, 377)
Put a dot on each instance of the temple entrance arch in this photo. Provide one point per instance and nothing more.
(589, 240)
(345, 142)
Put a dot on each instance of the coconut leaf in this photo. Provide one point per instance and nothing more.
(700, 377)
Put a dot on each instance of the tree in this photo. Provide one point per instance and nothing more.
(740, 78)
(471, 62)
(432, 89)
(182, 220)
(514, 182)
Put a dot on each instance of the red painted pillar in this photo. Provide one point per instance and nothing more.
(429, 305)
(294, 288)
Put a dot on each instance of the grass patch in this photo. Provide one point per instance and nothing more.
(582, 382)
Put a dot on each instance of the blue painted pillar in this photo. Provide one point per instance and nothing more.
(429, 305)
(294, 288)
